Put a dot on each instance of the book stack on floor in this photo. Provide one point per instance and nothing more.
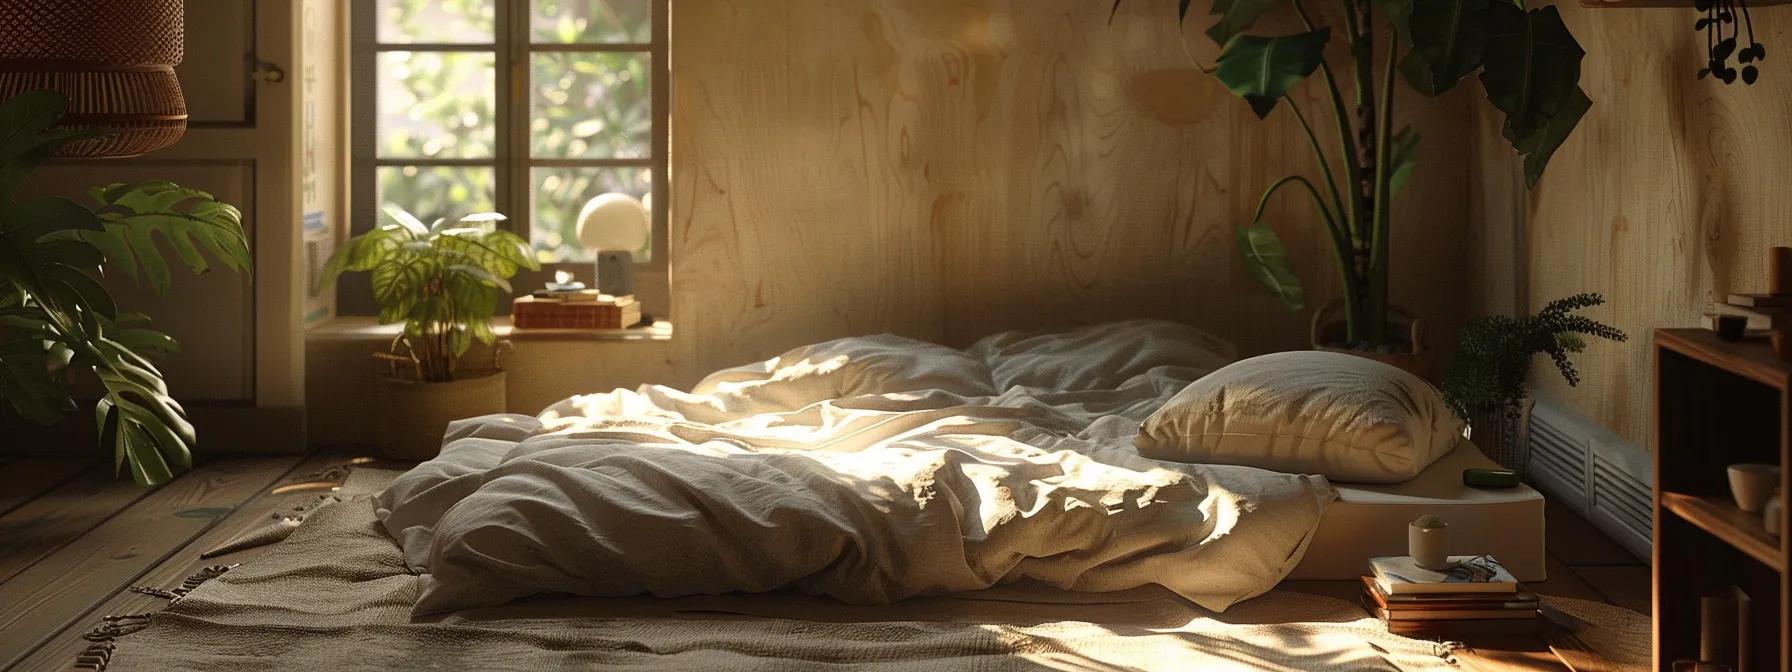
(1476, 597)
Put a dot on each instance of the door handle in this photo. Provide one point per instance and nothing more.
(268, 72)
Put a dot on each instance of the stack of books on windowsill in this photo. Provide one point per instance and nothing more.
(585, 309)
(1475, 597)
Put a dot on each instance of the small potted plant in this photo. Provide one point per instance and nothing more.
(442, 281)
(1485, 382)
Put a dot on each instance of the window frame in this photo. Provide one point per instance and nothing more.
(511, 161)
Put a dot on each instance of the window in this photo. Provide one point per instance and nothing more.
(526, 107)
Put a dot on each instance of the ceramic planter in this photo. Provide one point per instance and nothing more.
(414, 415)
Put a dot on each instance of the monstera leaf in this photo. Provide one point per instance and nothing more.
(1532, 66)
(1446, 40)
(187, 219)
(1262, 69)
(1266, 258)
(56, 319)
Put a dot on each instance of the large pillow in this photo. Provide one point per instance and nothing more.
(1344, 417)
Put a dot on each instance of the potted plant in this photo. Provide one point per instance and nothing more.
(442, 281)
(1529, 65)
(57, 321)
(1485, 382)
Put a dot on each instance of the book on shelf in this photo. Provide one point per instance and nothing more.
(1761, 300)
(1757, 320)
(1401, 575)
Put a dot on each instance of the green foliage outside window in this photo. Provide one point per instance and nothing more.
(583, 105)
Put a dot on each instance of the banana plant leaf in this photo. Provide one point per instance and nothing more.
(1266, 258)
(1532, 66)
(1235, 17)
(1262, 69)
(1542, 143)
(1405, 158)
(1447, 40)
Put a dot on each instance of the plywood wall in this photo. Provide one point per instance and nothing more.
(1666, 197)
(947, 168)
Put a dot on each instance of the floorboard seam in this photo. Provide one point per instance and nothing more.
(87, 615)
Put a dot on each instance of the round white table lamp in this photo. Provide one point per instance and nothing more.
(614, 223)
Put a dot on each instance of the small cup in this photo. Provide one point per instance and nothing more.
(1752, 484)
(1428, 542)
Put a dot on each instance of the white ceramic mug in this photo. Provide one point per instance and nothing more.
(1752, 484)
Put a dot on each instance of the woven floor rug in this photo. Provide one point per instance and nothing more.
(336, 596)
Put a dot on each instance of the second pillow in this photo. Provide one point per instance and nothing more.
(1340, 416)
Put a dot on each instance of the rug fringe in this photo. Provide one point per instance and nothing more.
(103, 639)
(187, 586)
(1447, 651)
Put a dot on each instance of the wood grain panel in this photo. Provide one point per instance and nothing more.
(1665, 198)
(946, 169)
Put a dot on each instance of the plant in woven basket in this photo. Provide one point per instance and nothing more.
(1494, 358)
(57, 321)
(442, 281)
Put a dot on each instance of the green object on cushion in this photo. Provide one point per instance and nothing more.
(1490, 478)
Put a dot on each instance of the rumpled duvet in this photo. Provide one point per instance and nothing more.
(867, 469)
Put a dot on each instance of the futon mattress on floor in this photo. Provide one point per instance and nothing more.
(866, 469)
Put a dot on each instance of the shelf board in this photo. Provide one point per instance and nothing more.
(1720, 518)
(1627, 4)
(1751, 358)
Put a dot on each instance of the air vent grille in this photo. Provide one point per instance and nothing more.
(1624, 500)
(1593, 471)
(1558, 461)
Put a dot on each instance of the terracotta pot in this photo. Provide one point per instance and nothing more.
(1409, 351)
(414, 416)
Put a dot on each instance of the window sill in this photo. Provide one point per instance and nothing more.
(367, 328)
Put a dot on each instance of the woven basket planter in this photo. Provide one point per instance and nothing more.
(113, 59)
(1503, 433)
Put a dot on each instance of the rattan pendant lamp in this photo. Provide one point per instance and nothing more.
(113, 59)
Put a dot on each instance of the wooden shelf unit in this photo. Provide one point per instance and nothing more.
(1718, 403)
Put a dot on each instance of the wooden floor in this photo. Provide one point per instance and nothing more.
(74, 540)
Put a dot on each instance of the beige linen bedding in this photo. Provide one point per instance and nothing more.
(866, 469)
